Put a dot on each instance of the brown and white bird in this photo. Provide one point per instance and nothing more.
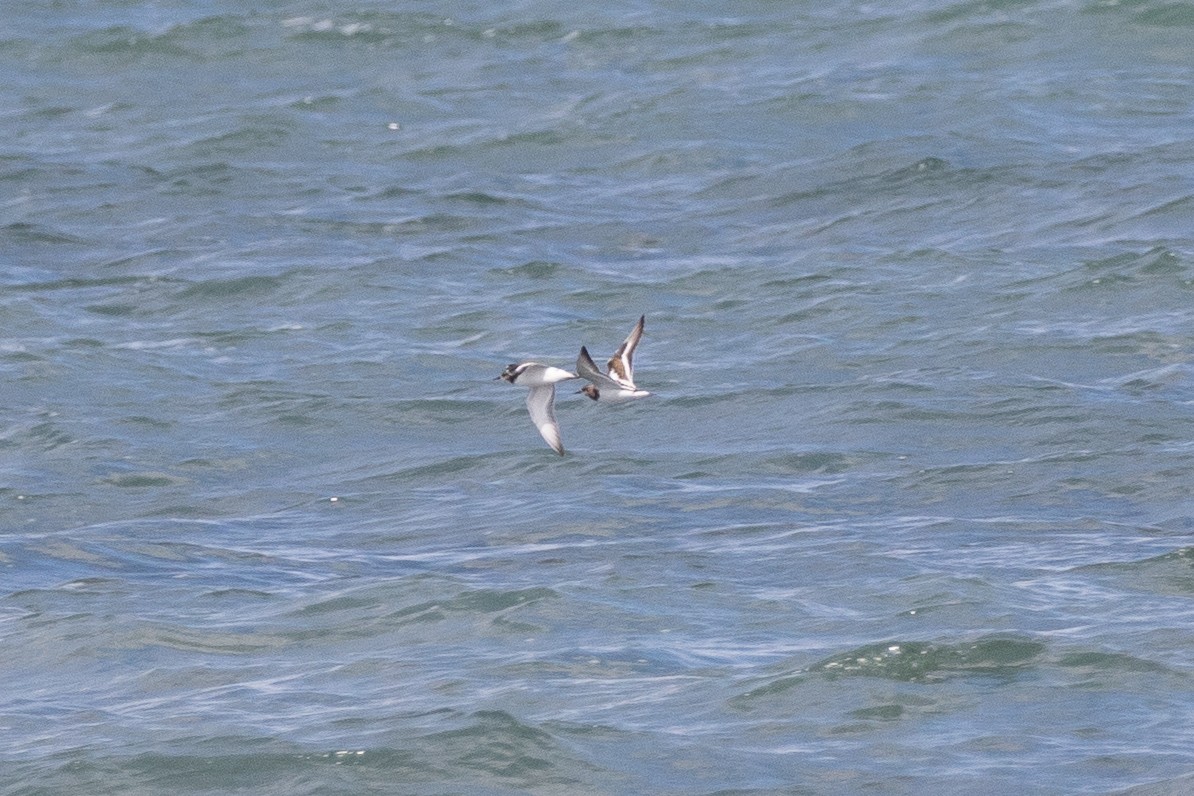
(617, 383)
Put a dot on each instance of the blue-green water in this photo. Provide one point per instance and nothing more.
(909, 511)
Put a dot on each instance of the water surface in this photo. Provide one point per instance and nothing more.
(909, 509)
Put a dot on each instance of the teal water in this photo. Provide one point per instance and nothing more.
(908, 512)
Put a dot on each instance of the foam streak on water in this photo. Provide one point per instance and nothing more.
(908, 512)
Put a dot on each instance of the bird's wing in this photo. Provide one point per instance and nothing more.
(588, 369)
(541, 405)
(621, 365)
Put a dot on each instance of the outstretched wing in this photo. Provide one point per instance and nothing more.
(541, 404)
(588, 369)
(621, 365)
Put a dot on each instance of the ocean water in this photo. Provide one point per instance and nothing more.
(908, 512)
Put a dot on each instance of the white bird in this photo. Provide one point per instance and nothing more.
(541, 379)
(617, 384)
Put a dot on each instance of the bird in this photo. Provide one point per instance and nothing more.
(617, 384)
(541, 398)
